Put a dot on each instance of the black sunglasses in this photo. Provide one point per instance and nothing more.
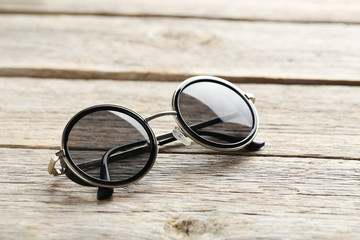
(109, 146)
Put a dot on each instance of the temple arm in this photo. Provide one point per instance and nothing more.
(104, 193)
(162, 140)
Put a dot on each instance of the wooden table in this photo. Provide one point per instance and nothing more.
(300, 58)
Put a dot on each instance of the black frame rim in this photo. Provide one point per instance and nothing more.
(98, 182)
(197, 138)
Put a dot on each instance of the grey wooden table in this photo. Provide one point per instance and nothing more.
(300, 58)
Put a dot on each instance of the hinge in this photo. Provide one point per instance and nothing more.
(250, 96)
(53, 160)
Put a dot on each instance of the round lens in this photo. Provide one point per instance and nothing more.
(217, 113)
(112, 139)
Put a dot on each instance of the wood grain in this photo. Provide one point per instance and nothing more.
(304, 184)
(295, 121)
(185, 196)
(171, 49)
(309, 11)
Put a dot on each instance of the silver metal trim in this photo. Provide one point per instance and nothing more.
(65, 164)
(251, 103)
(160, 114)
(65, 161)
(53, 160)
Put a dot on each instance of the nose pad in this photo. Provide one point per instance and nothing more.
(179, 135)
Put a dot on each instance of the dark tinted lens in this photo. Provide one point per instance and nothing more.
(96, 133)
(216, 112)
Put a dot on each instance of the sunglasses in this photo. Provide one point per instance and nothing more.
(108, 146)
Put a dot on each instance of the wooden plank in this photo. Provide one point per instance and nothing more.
(256, 10)
(304, 121)
(196, 196)
(172, 49)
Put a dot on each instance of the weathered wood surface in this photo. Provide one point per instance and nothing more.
(171, 49)
(303, 185)
(295, 120)
(197, 196)
(308, 11)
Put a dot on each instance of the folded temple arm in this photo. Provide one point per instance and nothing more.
(124, 151)
(112, 156)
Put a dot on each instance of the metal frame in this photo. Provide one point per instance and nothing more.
(77, 175)
(97, 182)
(247, 97)
(160, 114)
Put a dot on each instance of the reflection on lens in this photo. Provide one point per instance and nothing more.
(216, 112)
(98, 132)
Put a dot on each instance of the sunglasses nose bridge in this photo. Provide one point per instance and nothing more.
(160, 114)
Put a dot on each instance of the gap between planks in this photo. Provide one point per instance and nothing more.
(191, 152)
(166, 49)
(238, 19)
(156, 76)
(305, 11)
